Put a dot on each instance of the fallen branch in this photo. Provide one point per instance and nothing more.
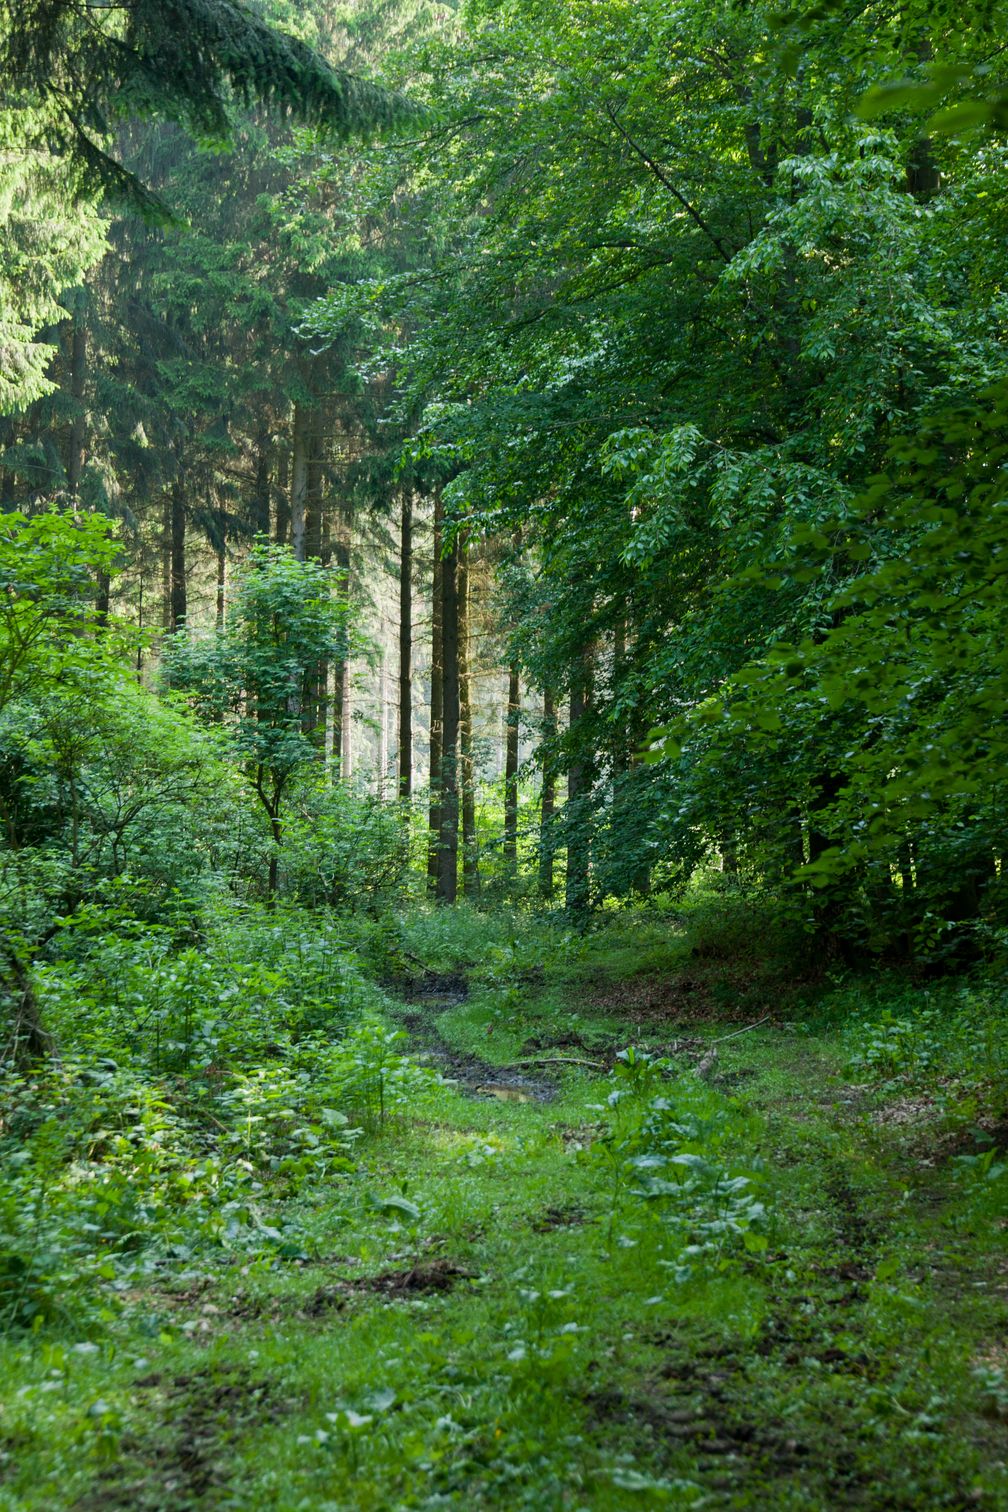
(736, 1032)
(558, 1060)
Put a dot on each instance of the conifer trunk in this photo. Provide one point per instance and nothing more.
(578, 789)
(511, 775)
(166, 557)
(447, 879)
(261, 485)
(382, 716)
(344, 556)
(76, 436)
(221, 578)
(321, 701)
(299, 480)
(467, 772)
(178, 558)
(406, 647)
(346, 724)
(283, 514)
(436, 699)
(547, 839)
(622, 743)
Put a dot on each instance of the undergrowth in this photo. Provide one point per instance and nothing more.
(744, 1256)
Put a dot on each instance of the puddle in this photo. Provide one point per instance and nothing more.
(423, 1002)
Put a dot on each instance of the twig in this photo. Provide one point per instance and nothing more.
(735, 1032)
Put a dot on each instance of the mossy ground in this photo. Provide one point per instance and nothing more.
(520, 1343)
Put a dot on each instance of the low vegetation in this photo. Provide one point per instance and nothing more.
(468, 1211)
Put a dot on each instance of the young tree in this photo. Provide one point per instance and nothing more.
(257, 674)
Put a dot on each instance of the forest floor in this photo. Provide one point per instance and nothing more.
(521, 1328)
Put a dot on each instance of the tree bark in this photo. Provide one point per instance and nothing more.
(260, 511)
(825, 791)
(467, 769)
(299, 480)
(313, 487)
(321, 699)
(578, 789)
(77, 433)
(436, 699)
(511, 776)
(447, 879)
(221, 577)
(337, 722)
(406, 647)
(166, 559)
(344, 556)
(382, 716)
(547, 839)
(283, 515)
(30, 1040)
(178, 559)
(622, 742)
(346, 725)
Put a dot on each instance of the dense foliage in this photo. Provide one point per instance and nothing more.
(729, 357)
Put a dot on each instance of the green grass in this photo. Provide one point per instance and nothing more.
(857, 1360)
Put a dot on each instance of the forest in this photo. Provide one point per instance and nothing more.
(503, 755)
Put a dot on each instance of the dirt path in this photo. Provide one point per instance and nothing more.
(421, 1005)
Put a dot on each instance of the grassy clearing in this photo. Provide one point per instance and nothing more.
(774, 1279)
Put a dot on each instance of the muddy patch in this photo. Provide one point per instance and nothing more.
(708, 1425)
(559, 1218)
(187, 1462)
(423, 1279)
(431, 1276)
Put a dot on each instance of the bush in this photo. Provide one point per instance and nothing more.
(342, 848)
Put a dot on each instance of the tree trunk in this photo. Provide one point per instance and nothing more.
(221, 578)
(283, 514)
(140, 625)
(166, 559)
(511, 776)
(299, 480)
(337, 722)
(8, 439)
(436, 699)
(260, 510)
(467, 772)
(29, 1041)
(313, 488)
(578, 790)
(826, 789)
(76, 436)
(406, 647)
(346, 726)
(547, 839)
(922, 175)
(382, 715)
(622, 743)
(447, 879)
(274, 860)
(344, 553)
(178, 560)
(76, 439)
(320, 702)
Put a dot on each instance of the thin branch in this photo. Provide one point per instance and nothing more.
(667, 183)
(736, 1032)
